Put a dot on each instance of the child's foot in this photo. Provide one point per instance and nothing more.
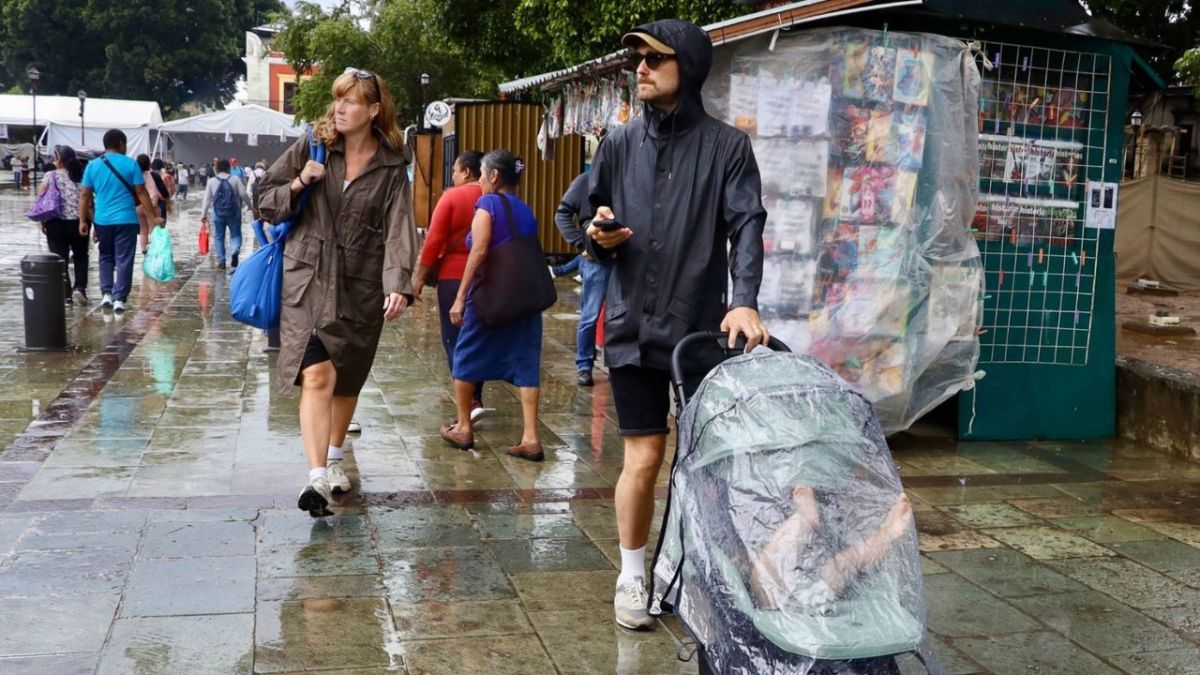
(806, 506)
(895, 525)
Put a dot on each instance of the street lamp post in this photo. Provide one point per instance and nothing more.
(424, 90)
(34, 75)
(82, 99)
(1135, 120)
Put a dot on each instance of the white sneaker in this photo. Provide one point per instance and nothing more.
(106, 301)
(118, 307)
(354, 427)
(315, 498)
(630, 605)
(337, 478)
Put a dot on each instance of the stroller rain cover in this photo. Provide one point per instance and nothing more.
(775, 552)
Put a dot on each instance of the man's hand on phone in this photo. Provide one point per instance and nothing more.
(607, 238)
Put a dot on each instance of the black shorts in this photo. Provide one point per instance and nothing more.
(314, 353)
(643, 399)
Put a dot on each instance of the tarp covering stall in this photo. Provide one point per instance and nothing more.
(249, 133)
(1158, 231)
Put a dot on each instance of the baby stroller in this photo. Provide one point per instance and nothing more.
(787, 545)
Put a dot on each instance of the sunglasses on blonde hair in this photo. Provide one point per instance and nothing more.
(360, 74)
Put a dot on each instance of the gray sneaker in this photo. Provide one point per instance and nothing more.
(630, 605)
(338, 480)
(315, 498)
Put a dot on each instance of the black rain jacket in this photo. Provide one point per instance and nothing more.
(688, 186)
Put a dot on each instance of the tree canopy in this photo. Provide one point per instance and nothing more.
(169, 51)
(466, 46)
(1172, 23)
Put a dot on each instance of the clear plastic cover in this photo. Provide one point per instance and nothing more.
(867, 144)
(788, 545)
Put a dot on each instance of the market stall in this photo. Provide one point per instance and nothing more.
(60, 122)
(882, 181)
(249, 133)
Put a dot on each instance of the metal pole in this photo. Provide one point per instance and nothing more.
(33, 177)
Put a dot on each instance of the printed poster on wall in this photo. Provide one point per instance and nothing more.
(1102, 206)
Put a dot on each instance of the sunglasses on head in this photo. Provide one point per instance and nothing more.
(654, 59)
(360, 74)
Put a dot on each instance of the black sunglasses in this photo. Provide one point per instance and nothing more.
(654, 59)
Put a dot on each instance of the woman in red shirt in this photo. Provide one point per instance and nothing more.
(446, 249)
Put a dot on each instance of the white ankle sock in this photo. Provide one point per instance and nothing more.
(633, 563)
(335, 453)
(314, 474)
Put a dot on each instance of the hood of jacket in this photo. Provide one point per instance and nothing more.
(693, 54)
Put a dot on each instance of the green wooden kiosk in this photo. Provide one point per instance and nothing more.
(1052, 126)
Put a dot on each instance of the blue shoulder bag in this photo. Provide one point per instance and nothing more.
(256, 289)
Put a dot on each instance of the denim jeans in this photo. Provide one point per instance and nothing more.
(235, 238)
(569, 267)
(118, 243)
(595, 285)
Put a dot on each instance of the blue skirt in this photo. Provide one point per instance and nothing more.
(509, 353)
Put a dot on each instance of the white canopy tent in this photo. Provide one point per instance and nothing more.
(247, 132)
(59, 115)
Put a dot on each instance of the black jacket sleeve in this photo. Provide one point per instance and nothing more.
(573, 211)
(745, 219)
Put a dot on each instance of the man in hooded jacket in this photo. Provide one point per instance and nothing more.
(685, 190)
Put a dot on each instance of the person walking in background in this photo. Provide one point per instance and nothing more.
(63, 235)
(235, 170)
(165, 183)
(225, 197)
(183, 180)
(573, 210)
(680, 199)
(155, 188)
(18, 171)
(202, 175)
(112, 190)
(511, 351)
(445, 252)
(348, 266)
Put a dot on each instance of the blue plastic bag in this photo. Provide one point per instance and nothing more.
(159, 261)
(256, 289)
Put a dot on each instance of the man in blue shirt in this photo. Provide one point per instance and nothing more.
(111, 189)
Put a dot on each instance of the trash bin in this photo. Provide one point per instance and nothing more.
(45, 316)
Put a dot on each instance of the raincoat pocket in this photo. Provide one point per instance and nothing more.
(299, 267)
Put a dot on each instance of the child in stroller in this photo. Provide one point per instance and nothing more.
(795, 568)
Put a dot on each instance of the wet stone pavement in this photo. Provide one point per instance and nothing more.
(148, 520)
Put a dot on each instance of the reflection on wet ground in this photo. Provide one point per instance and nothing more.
(147, 519)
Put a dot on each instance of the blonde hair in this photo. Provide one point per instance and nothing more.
(369, 90)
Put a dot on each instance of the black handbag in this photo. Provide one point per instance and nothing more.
(514, 282)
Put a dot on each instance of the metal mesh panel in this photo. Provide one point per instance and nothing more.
(1042, 119)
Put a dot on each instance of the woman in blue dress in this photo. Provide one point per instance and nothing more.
(511, 352)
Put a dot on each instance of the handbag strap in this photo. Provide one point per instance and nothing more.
(132, 192)
(316, 152)
(508, 214)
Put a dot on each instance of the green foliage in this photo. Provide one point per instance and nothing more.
(1188, 68)
(579, 31)
(170, 51)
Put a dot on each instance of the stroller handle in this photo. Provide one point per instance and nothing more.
(721, 339)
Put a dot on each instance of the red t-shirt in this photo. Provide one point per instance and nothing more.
(448, 230)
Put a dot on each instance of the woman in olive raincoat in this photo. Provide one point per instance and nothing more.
(347, 268)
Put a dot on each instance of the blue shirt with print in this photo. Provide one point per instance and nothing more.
(114, 204)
